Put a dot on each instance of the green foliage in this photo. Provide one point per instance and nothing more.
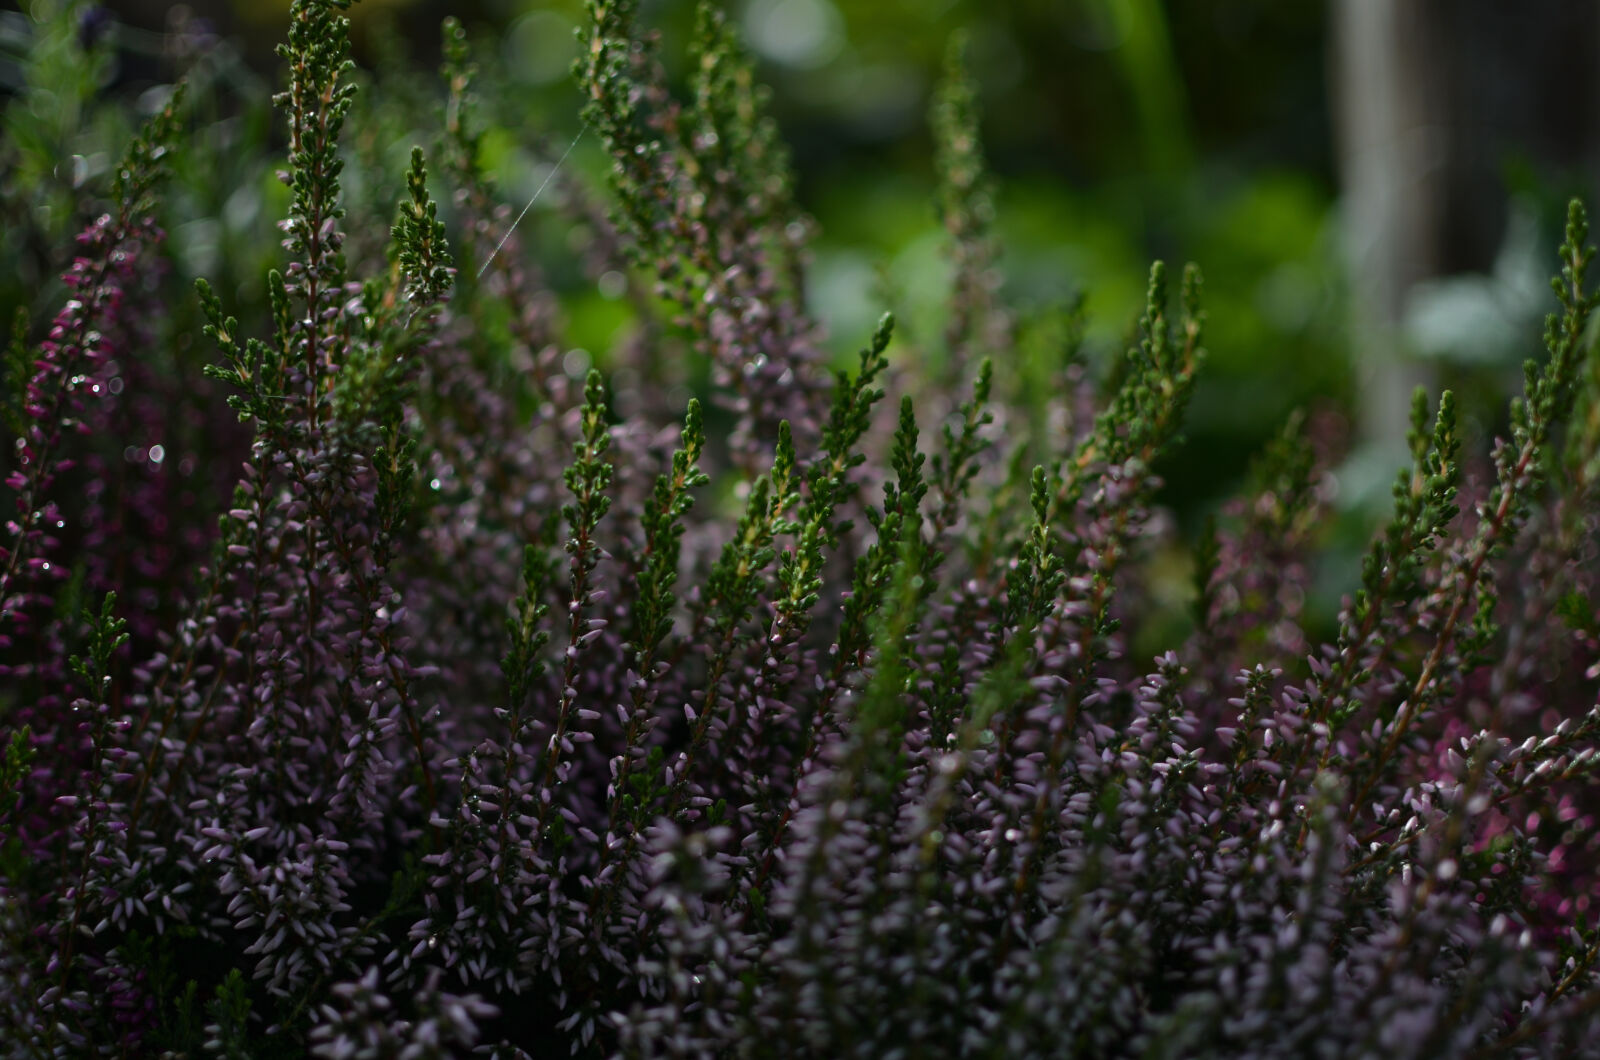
(896, 563)
(662, 522)
(229, 1014)
(136, 175)
(1032, 588)
(252, 367)
(57, 143)
(1157, 377)
(1424, 505)
(829, 483)
(15, 763)
(419, 238)
(878, 728)
(524, 663)
(588, 476)
(107, 633)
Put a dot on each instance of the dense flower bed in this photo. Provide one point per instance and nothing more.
(465, 702)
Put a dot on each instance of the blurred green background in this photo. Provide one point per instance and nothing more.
(1117, 130)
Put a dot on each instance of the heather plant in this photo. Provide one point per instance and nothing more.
(496, 707)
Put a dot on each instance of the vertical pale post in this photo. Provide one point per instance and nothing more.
(1393, 146)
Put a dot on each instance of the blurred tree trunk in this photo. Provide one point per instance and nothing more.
(1391, 127)
(1435, 100)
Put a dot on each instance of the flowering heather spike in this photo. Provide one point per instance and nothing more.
(899, 528)
(830, 484)
(64, 378)
(1356, 670)
(587, 478)
(880, 720)
(1143, 416)
(458, 69)
(316, 102)
(629, 794)
(703, 190)
(487, 233)
(955, 468)
(868, 768)
(734, 586)
(1251, 571)
(967, 209)
(828, 481)
(1470, 583)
